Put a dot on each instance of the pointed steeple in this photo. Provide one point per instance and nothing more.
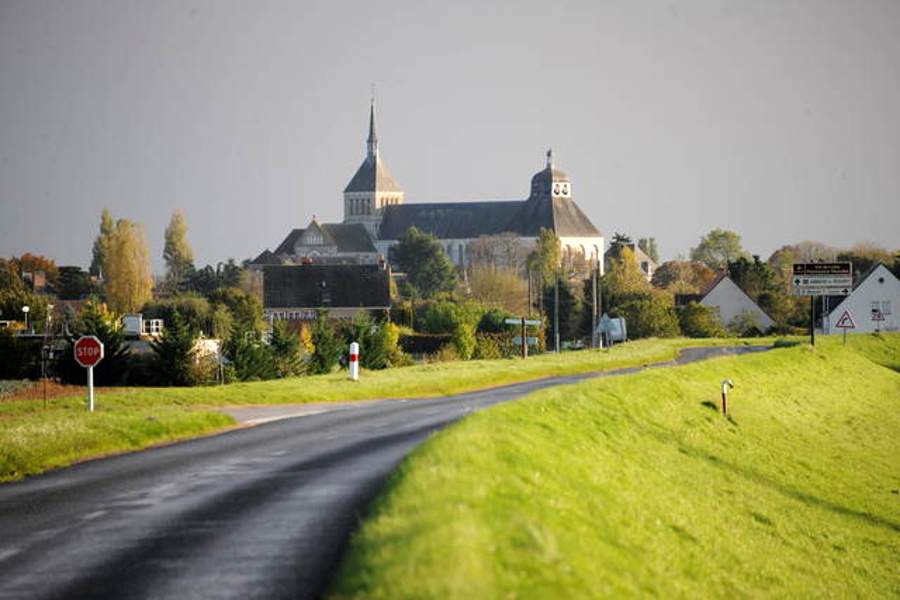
(372, 142)
(550, 158)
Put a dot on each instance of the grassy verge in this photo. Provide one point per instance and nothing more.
(31, 444)
(37, 435)
(637, 487)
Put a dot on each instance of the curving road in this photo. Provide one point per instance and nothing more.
(259, 512)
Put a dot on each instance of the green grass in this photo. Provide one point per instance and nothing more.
(36, 436)
(31, 444)
(637, 487)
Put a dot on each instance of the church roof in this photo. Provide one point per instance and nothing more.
(448, 220)
(469, 220)
(561, 215)
(373, 176)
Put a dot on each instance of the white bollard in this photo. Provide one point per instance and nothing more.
(354, 361)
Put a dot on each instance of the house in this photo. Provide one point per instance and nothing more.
(870, 304)
(322, 244)
(296, 292)
(735, 308)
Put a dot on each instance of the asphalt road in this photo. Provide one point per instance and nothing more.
(258, 512)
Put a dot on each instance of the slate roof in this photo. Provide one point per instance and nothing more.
(469, 220)
(561, 215)
(326, 286)
(348, 237)
(373, 176)
(266, 257)
(448, 220)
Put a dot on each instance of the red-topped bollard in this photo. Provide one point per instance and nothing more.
(354, 361)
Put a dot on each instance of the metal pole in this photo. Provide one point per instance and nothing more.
(556, 314)
(90, 382)
(812, 320)
(524, 340)
(726, 383)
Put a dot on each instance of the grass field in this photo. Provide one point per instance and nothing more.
(37, 435)
(636, 486)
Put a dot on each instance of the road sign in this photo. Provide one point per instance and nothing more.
(532, 322)
(846, 321)
(877, 315)
(88, 351)
(824, 269)
(822, 279)
(528, 340)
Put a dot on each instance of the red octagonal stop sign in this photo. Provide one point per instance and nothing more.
(88, 351)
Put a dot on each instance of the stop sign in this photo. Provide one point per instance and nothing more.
(88, 351)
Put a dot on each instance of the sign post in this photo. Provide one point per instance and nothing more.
(845, 323)
(354, 361)
(524, 339)
(88, 352)
(877, 317)
(821, 279)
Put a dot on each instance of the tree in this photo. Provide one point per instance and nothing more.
(648, 317)
(504, 251)
(251, 359)
(683, 277)
(101, 244)
(570, 309)
(177, 253)
(428, 269)
(698, 321)
(546, 258)
(327, 346)
(96, 320)
(623, 279)
(498, 287)
(648, 245)
(175, 352)
(29, 265)
(286, 350)
(863, 256)
(74, 283)
(753, 277)
(718, 248)
(129, 281)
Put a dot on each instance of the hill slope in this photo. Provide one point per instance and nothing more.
(636, 486)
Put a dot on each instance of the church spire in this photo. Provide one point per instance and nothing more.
(550, 158)
(372, 142)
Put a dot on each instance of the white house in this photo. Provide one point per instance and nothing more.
(870, 305)
(732, 304)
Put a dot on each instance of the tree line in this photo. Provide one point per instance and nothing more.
(440, 311)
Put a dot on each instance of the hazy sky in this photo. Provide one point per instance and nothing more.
(776, 119)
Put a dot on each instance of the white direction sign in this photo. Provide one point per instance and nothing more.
(822, 279)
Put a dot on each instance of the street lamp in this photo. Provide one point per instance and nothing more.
(25, 310)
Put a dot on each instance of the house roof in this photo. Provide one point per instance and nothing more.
(266, 257)
(326, 286)
(347, 237)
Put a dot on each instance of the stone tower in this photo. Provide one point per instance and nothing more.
(372, 188)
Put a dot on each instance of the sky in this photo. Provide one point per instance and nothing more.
(778, 120)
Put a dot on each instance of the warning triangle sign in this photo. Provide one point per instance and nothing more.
(846, 321)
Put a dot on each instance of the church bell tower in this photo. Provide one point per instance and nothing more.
(372, 188)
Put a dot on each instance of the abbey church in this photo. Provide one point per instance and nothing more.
(376, 215)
